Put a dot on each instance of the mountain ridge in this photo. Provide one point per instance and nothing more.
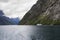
(46, 12)
(6, 20)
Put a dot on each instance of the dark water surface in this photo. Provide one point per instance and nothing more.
(29, 32)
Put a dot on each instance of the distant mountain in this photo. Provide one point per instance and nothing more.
(6, 20)
(1, 13)
(15, 20)
(46, 12)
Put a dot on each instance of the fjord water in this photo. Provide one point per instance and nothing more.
(29, 32)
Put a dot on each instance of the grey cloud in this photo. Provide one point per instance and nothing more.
(4, 0)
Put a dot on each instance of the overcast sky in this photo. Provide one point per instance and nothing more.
(16, 8)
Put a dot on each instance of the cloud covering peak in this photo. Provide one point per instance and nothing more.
(16, 8)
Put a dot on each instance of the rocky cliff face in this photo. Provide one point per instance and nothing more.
(45, 12)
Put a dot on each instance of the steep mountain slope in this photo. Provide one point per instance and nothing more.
(15, 21)
(45, 12)
(1, 13)
(3, 19)
(6, 20)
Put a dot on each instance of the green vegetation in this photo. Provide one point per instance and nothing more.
(46, 21)
(43, 12)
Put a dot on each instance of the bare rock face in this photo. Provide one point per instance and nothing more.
(46, 12)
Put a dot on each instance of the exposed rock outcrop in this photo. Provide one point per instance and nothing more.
(45, 12)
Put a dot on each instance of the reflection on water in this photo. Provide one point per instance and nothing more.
(29, 32)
